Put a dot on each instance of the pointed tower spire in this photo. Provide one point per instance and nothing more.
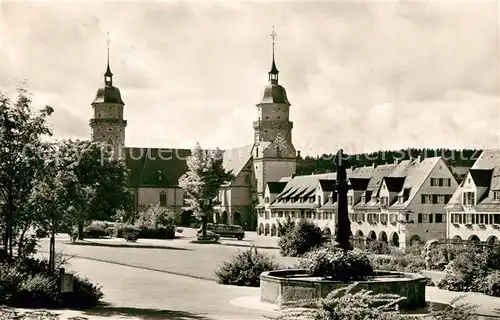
(273, 74)
(108, 76)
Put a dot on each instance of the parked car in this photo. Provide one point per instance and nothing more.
(226, 231)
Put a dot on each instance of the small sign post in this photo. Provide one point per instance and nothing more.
(66, 281)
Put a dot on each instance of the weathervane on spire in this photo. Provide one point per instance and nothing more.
(108, 76)
(108, 41)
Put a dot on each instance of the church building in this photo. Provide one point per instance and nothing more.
(154, 172)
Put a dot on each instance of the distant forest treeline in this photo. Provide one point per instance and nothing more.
(323, 163)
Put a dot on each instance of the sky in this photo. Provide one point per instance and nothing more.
(361, 76)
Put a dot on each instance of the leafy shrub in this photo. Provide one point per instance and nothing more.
(35, 291)
(285, 227)
(157, 233)
(378, 247)
(245, 268)
(96, 229)
(28, 284)
(129, 233)
(155, 217)
(466, 272)
(85, 294)
(337, 264)
(490, 284)
(304, 237)
(399, 262)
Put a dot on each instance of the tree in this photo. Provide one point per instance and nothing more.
(203, 180)
(50, 199)
(21, 132)
(99, 188)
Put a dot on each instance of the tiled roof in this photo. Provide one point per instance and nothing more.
(488, 159)
(417, 173)
(295, 205)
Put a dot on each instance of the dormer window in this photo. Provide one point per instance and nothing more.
(468, 199)
(163, 199)
(267, 200)
(496, 195)
(363, 199)
(400, 199)
(311, 199)
(278, 152)
(319, 200)
(383, 201)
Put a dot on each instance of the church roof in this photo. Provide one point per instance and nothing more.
(162, 167)
(236, 158)
(155, 167)
(108, 94)
(274, 93)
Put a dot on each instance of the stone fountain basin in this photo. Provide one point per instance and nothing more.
(289, 286)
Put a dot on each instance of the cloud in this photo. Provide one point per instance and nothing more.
(361, 75)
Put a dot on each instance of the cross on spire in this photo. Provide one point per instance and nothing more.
(108, 76)
(273, 74)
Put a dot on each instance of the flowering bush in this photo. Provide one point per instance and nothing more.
(337, 264)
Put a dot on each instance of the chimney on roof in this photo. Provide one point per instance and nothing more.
(293, 175)
(373, 165)
(396, 161)
(298, 153)
(418, 160)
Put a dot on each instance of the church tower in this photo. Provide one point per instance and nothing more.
(274, 156)
(108, 124)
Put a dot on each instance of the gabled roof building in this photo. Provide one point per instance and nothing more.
(398, 203)
(474, 209)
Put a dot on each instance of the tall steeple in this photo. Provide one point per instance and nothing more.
(108, 76)
(273, 74)
(108, 125)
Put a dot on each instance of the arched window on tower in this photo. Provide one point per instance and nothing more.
(163, 199)
(278, 152)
